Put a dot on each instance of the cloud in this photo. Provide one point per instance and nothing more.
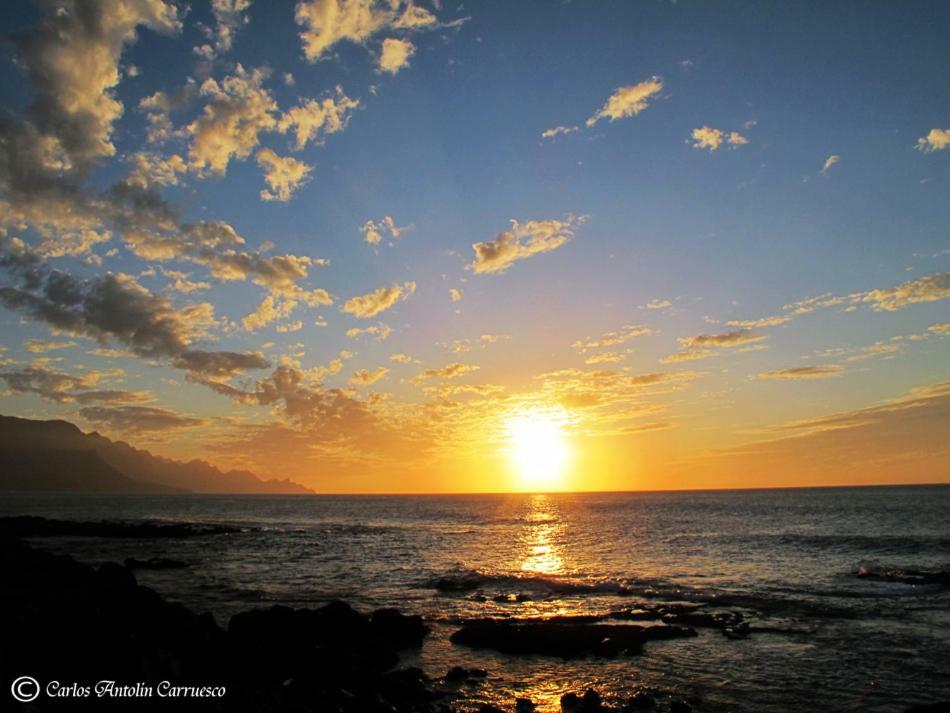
(373, 232)
(829, 162)
(936, 140)
(219, 364)
(317, 119)
(689, 355)
(115, 308)
(139, 419)
(924, 289)
(875, 350)
(728, 339)
(523, 240)
(37, 346)
(68, 388)
(400, 358)
(804, 372)
(558, 131)
(366, 306)
(238, 109)
(395, 55)
(380, 331)
(270, 309)
(182, 283)
(628, 101)
(613, 338)
(707, 137)
(450, 371)
(890, 442)
(229, 17)
(455, 294)
(773, 321)
(327, 22)
(658, 304)
(941, 329)
(607, 357)
(282, 174)
(72, 59)
(366, 377)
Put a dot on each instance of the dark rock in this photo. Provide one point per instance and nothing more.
(570, 703)
(401, 630)
(155, 563)
(524, 705)
(940, 707)
(557, 637)
(456, 673)
(591, 701)
(640, 701)
(678, 706)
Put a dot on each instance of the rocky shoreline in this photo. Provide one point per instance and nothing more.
(78, 626)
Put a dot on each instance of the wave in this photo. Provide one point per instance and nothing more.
(903, 575)
(462, 580)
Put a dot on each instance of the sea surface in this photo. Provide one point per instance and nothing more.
(790, 560)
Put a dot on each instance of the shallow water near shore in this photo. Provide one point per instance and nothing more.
(845, 589)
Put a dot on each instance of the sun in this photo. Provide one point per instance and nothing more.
(537, 447)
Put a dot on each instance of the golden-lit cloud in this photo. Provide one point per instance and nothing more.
(41, 346)
(229, 17)
(395, 54)
(707, 137)
(772, 321)
(689, 355)
(366, 377)
(455, 294)
(924, 289)
(369, 305)
(72, 58)
(521, 241)
(82, 388)
(317, 119)
(658, 304)
(375, 231)
(282, 174)
(613, 338)
(829, 162)
(450, 371)
(237, 110)
(607, 357)
(401, 358)
(327, 22)
(804, 372)
(935, 140)
(271, 308)
(628, 101)
(379, 331)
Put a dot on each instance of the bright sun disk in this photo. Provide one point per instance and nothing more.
(538, 449)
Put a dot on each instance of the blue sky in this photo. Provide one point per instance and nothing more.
(448, 144)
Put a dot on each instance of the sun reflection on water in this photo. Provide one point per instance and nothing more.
(541, 538)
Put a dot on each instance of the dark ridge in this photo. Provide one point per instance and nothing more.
(93, 463)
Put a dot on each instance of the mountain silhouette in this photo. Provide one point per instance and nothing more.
(57, 455)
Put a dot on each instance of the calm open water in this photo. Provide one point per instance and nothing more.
(787, 558)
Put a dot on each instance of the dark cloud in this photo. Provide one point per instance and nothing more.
(139, 419)
(68, 388)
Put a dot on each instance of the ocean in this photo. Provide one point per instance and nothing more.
(847, 590)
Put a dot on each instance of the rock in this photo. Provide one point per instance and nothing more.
(155, 563)
(940, 707)
(640, 701)
(401, 630)
(678, 706)
(591, 701)
(570, 703)
(456, 673)
(524, 705)
(565, 639)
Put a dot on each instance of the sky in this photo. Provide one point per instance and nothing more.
(392, 246)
